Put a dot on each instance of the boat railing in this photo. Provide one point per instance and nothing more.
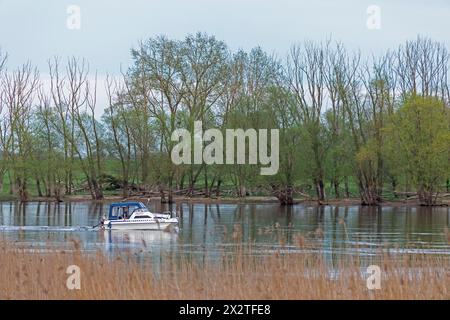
(172, 213)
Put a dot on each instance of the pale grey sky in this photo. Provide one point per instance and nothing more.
(36, 30)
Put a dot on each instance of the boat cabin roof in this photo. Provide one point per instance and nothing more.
(128, 204)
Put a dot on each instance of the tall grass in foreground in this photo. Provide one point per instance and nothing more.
(30, 275)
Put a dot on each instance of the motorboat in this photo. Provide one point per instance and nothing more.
(136, 216)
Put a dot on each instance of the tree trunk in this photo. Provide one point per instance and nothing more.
(96, 192)
(320, 190)
(347, 191)
(47, 187)
(207, 194)
(162, 195)
(22, 189)
(242, 191)
(69, 182)
(38, 187)
(426, 197)
(285, 195)
(11, 184)
(369, 196)
(170, 197)
(336, 189)
(125, 188)
(394, 186)
(57, 192)
(219, 182)
(181, 182)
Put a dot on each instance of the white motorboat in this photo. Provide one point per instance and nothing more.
(136, 216)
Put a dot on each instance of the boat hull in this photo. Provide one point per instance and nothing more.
(139, 225)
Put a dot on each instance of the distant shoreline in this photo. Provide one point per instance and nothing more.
(229, 200)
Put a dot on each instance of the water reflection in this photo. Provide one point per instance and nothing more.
(209, 230)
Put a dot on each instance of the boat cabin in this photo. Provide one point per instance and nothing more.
(124, 210)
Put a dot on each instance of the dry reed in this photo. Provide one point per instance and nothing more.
(27, 274)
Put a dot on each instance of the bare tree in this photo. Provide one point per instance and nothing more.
(18, 91)
(158, 71)
(118, 120)
(306, 76)
(74, 97)
(203, 66)
(3, 123)
(422, 68)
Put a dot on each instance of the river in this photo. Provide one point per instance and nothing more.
(210, 230)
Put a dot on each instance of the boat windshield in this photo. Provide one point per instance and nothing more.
(123, 212)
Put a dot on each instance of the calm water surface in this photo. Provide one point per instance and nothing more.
(210, 230)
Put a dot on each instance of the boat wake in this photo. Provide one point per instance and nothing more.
(45, 228)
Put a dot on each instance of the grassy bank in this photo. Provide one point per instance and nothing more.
(31, 275)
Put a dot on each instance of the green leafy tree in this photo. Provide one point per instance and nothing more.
(418, 145)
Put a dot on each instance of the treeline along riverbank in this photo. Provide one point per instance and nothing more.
(374, 129)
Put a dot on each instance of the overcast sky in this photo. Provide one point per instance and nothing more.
(36, 30)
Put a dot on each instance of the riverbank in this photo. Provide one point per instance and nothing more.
(30, 274)
(227, 200)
